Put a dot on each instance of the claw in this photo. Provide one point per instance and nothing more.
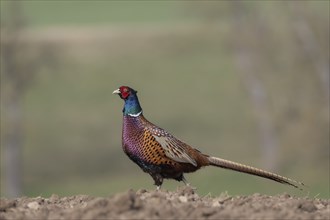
(188, 184)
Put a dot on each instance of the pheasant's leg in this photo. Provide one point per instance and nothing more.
(158, 180)
(187, 184)
(185, 181)
(180, 177)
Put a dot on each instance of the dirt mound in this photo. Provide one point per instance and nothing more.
(183, 203)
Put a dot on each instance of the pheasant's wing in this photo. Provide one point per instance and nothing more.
(174, 148)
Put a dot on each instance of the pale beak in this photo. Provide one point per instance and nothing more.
(117, 91)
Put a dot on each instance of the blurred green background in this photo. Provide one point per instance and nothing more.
(246, 81)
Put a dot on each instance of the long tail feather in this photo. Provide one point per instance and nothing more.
(214, 161)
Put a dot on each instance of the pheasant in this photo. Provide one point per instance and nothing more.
(163, 156)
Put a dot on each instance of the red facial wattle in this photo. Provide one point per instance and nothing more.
(124, 92)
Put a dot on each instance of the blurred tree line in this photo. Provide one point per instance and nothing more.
(253, 42)
(21, 61)
(253, 66)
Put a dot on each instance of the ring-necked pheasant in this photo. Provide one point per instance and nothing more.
(160, 154)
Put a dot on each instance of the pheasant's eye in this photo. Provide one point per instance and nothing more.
(125, 90)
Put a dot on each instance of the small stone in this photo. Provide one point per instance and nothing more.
(319, 206)
(307, 206)
(141, 191)
(285, 196)
(186, 190)
(6, 204)
(215, 203)
(54, 198)
(208, 212)
(183, 199)
(33, 205)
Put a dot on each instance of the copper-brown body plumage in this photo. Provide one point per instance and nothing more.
(160, 154)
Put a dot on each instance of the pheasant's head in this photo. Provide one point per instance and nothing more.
(132, 106)
(124, 92)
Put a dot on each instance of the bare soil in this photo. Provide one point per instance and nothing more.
(183, 203)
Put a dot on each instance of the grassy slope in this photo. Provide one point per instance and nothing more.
(42, 13)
